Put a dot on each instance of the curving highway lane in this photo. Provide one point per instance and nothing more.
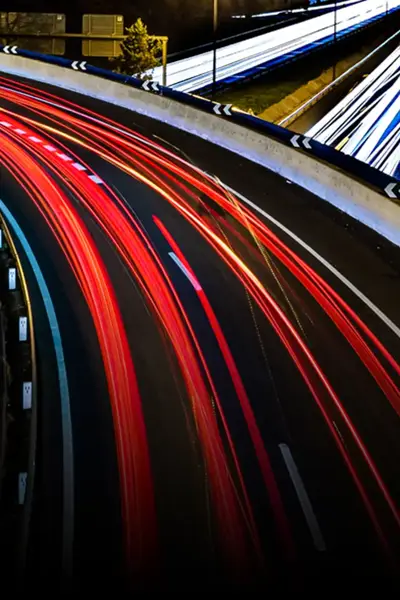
(365, 124)
(256, 54)
(231, 352)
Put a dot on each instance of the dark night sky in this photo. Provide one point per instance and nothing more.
(186, 8)
(181, 20)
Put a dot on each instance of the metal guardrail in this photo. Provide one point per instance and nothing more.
(380, 182)
(385, 184)
(94, 36)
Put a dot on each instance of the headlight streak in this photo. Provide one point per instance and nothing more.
(194, 73)
(365, 123)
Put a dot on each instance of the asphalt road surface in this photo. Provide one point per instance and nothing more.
(233, 377)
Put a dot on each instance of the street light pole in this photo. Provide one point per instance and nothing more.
(334, 40)
(215, 27)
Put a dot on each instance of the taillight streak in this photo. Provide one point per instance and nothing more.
(261, 453)
(81, 253)
(244, 216)
(143, 263)
(312, 282)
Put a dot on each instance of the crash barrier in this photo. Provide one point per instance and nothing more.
(351, 185)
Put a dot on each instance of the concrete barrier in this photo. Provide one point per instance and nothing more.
(336, 187)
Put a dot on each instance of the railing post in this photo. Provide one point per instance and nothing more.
(164, 61)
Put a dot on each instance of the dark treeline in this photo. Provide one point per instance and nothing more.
(186, 22)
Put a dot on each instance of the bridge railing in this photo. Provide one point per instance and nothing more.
(379, 181)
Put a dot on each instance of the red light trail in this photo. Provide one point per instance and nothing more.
(181, 185)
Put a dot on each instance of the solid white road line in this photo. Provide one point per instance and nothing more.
(304, 500)
(67, 437)
(388, 322)
(184, 270)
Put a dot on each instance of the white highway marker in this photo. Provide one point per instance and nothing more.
(67, 437)
(78, 166)
(184, 270)
(95, 178)
(12, 278)
(27, 395)
(304, 500)
(22, 479)
(62, 155)
(23, 329)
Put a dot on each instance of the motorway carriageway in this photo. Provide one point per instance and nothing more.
(239, 60)
(296, 11)
(366, 124)
(233, 374)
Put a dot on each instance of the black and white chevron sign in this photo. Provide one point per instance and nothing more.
(299, 142)
(78, 65)
(393, 190)
(150, 86)
(222, 109)
(10, 49)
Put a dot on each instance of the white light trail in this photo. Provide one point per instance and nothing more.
(299, 10)
(194, 73)
(366, 123)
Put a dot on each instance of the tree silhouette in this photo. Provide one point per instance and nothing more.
(139, 52)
